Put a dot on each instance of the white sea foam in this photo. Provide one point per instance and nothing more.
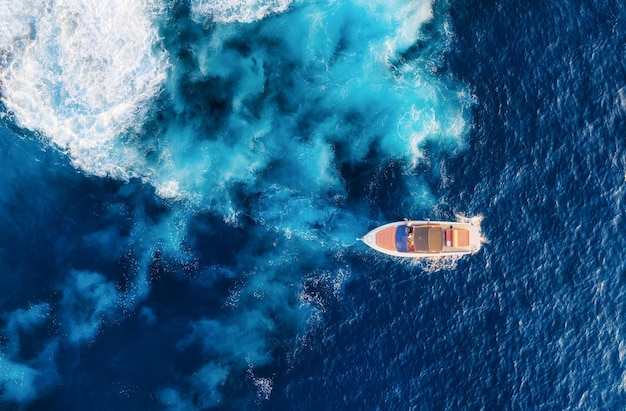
(230, 11)
(403, 17)
(16, 25)
(81, 72)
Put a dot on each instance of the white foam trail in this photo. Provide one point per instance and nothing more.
(475, 222)
(81, 73)
(242, 11)
(436, 264)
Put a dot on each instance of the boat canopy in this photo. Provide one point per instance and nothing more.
(427, 239)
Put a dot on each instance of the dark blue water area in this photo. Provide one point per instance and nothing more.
(46, 203)
(70, 257)
(547, 169)
(56, 221)
(536, 319)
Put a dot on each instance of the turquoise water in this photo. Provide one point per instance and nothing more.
(182, 186)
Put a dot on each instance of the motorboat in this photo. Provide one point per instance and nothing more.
(418, 239)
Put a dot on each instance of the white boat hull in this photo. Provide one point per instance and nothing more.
(423, 239)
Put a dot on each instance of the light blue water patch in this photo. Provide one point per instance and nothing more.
(206, 382)
(291, 100)
(88, 298)
(27, 367)
(17, 381)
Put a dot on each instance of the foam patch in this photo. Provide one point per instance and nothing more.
(81, 73)
(243, 11)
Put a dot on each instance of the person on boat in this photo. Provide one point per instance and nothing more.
(410, 242)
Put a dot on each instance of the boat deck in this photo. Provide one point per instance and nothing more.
(424, 238)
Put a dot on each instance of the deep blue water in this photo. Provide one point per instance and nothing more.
(182, 184)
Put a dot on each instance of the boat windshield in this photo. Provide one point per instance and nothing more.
(402, 238)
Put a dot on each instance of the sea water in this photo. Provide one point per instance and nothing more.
(182, 185)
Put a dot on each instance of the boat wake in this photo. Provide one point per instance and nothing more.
(475, 221)
(243, 158)
(436, 264)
